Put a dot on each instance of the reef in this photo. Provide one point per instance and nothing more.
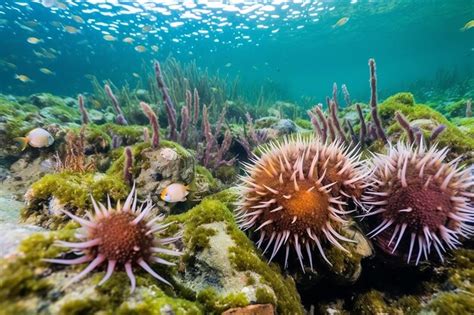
(284, 212)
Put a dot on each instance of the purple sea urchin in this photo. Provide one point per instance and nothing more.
(417, 201)
(296, 195)
(121, 236)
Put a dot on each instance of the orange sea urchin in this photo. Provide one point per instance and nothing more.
(296, 195)
(121, 236)
(414, 193)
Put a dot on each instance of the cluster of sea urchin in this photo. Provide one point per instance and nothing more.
(124, 236)
(295, 195)
(417, 201)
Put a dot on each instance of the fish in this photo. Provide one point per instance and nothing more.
(110, 38)
(37, 138)
(71, 29)
(128, 40)
(48, 3)
(227, 65)
(34, 40)
(23, 78)
(154, 48)
(467, 26)
(341, 22)
(136, 75)
(140, 48)
(175, 192)
(47, 71)
(78, 19)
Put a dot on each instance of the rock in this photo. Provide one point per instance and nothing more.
(58, 114)
(219, 271)
(12, 232)
(258, 309)
(162, 167)
(71, 102)
(284, 127)
(96, 116)
(42, 100)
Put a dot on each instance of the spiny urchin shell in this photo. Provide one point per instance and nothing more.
(122, 236)
(416, 201)
(295, 195)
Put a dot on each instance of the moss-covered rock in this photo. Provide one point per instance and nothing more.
(452, 137)
(70, 191)
(222, 266)
(220, 270)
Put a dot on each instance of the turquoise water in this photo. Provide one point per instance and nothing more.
(291, 47)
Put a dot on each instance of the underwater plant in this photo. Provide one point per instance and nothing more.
(74, 158)
(296, 195)
(416, 201)
(328, 126)
(124, 235)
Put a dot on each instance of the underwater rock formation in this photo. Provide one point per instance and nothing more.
(234, 277)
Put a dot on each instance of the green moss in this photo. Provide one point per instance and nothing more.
(243, 256)
(116, 169)
(455, 109)
(226, 173)
(408, 305)
(200, 239)
(344, 264)
(215, 304)
(203, 177)
(453, 303)
(22, 276)
(73, 190)
(452, 137)
(264, 297)
(371, 303)
(18, 119)
(81, 306)
(130, 134)
(402, 98)
(303, 123)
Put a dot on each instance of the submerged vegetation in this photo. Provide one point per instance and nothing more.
(186, 130)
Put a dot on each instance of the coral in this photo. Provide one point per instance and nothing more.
(74, 159)
(417, 201)
(296, 195)
(125, 236)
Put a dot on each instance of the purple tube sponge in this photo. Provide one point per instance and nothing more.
(155, 127)
(373, 102)
(120, 119)
(128, 165)
(170, 108)
(196, 107)
(82, 109)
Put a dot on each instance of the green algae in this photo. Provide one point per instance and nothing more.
(226, 173)
(303, 123)
(74, 191)
(22, 275)
(243, 256)
(452, 137)
(214, 304)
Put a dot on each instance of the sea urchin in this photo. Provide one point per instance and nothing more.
(417, 201)
(295, 195)
(121, 236)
